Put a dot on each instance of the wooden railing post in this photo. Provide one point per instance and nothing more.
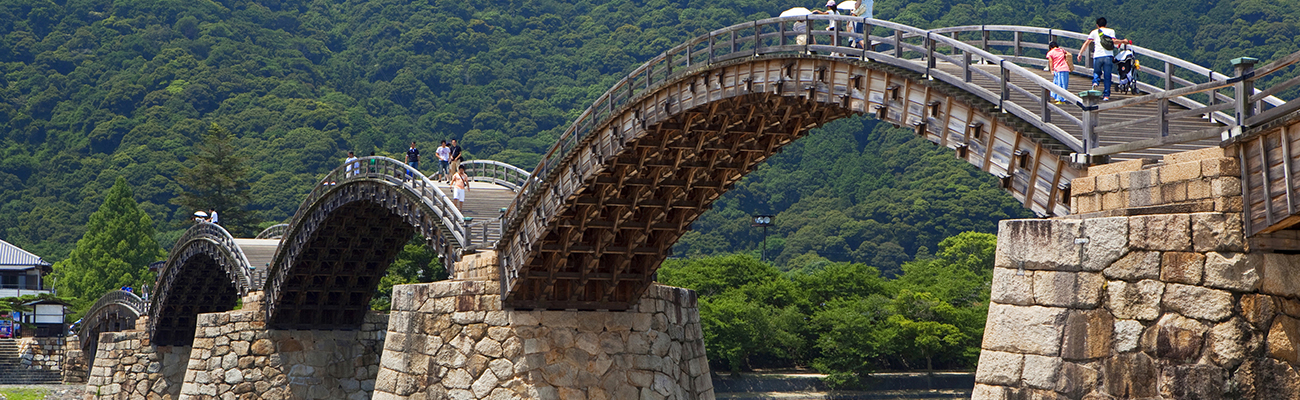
(1090, 100)
(1047, 110)
(966, 66)
(1163, 113)
(1244, 87)
(1017, 42)
(898, 43)
(1169, 75)
(929, 56)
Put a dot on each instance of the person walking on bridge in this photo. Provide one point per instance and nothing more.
(413, 159)
(352, 166)
(1058, 61)
(1104, 41)
(454, 154)
(459, 187)
(444, 159)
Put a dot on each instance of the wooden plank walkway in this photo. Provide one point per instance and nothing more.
(1079, 83)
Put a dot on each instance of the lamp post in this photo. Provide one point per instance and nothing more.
(763, 221)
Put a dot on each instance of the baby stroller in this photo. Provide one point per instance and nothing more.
(1126, 68)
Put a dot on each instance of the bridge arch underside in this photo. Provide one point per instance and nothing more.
(634, 186)
(195, 285)
(339, 253)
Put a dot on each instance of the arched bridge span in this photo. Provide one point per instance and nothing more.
(345, 234)
(205, 272)
(626, 180)
(115, 311)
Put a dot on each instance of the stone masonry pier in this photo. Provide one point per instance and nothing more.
(1150, 291)
(452, 339)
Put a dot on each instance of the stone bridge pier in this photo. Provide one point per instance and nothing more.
(453, 339)
(1150, 290)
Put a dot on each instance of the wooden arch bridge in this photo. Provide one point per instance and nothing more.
(588, 227)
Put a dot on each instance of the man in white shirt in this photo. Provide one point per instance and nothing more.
(351, 164)
(444, 159)
(1103, 60)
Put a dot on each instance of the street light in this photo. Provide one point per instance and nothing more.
(763, 221)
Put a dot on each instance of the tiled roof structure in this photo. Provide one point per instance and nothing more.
(12, 257)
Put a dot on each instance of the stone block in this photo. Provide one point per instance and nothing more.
(1215, 167)
(1140, 300)
(1165, 232)
(1086, 203)
(1263, 378)
(1284, 339)
(999, 368)
(1029, 330)
(1136, 265)
(1208, 153)
(1127, 335)
(1226, 186)
(1055, 288)
(1196, 381)
(1076, 380)
(1107, 241)
(1012, 286)
(1130, 376)
(1226, 344)
(1181, 267)
(1280, 274)
(1136, 180)
(1199, 190)
(1143, 197)
(1179, 338)
(1235, 271)
(1114, 201)
(1087, 335)
(1107, 183)
(1198, 302)
(1040, 372)
(1217, 232)
(989, 392)
(1174, 192)
(1115, 168)
(1183, 171)
(1038, 244)
(1084, 185)
(1228, 204)
(1258, 309)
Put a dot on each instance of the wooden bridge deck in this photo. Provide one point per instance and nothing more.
(1080, 82)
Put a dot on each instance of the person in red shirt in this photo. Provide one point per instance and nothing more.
(1058, 61)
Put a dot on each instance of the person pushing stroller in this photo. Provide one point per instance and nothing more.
(1126, 68)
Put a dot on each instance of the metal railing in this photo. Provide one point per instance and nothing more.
(273, 232)
(496, 172)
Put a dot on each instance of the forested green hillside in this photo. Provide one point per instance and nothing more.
(96, 89)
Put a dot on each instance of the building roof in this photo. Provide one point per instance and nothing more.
(12, 256)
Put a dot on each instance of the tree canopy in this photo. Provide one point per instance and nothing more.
(115, 251)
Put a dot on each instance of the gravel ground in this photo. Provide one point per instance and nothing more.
(56, 392)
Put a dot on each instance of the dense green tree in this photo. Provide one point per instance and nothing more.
(115, 251)
(218, 179)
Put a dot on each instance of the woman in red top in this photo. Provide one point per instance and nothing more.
(1058, 61)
